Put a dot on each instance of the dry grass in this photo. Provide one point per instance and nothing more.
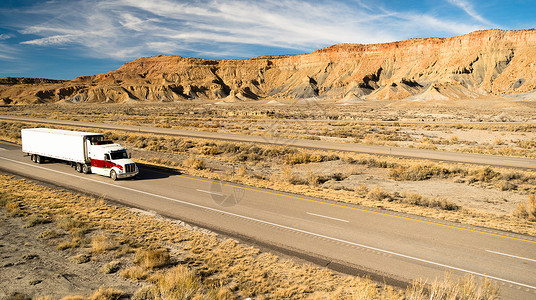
(177, 283)
(81, 258)
(134, 273)
(212, 266)
(416, 199)
(527, 210)
(267, 167)
(468, 287)
(106, 294)
(110, 267)
(378, 194)
(152, 258)
(102, 242)
(270, 159)
(33, 220)
(193, 163)
(371, 123)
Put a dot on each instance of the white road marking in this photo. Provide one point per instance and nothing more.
(3, 149)
(280, 226)
(529, 259)
(328, 217)
(209, 192)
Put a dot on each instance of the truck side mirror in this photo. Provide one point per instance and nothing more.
(129, 155)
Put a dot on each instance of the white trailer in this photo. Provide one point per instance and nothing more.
(88, 152)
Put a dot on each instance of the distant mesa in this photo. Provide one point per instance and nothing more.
(479, 64)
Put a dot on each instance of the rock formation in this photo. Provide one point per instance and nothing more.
(482, 63)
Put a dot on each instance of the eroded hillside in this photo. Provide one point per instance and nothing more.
(481, 63)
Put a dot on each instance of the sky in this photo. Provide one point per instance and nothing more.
(64, 39)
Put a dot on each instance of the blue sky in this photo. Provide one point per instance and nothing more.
(64, 39)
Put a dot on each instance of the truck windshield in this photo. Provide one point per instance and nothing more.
(119, 154)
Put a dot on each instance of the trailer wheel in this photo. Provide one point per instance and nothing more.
(33, 157)
(113, 175)
(38, 159)
(85, 169)
(78, 168)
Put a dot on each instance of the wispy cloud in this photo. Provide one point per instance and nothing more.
(470, 10)
(7, 52)
(126, 29)
(50, 40)
(5, 36)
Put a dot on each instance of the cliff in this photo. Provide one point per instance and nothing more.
(482, 63)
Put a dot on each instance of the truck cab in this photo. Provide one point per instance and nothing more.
(109, 159)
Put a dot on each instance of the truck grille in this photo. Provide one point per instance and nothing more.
(129, 168)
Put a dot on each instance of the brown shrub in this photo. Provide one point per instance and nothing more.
(134, 273)
(152, 258)
(101, 243)
(486, 174)
(110, 267)
(419, 200)
(106, 294)
(527, 210)
(194, 163)
(178, 283)
(418, 172)
(379, 194)
(467, 287)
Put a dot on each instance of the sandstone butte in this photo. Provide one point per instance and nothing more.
(479, 64)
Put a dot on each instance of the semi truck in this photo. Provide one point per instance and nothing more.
(87, 152)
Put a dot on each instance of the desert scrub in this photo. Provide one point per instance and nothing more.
(467, 287)
(237, 269)
(110, 267)
(177, 283)
(152, 258)
(81, 258)
(33, 220)
(416, 199)
(134, 273)
(102, 242)
(527, 210)
(194, 163)
(418, 172)
(378, 194)
(74, 226)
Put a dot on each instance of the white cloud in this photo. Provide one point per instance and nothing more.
(127, 29)
(5, 36)
(7, 52)
(469, 9)
(51, 40)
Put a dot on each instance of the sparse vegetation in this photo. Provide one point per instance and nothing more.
(527, 210)
(324, 174)
(111, 267)
(102, 242)
(134, 273)
(152, 258)
(467, 287)
(210, 267)
(285, 168)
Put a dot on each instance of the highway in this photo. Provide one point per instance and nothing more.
(457, 157)
(354, 239)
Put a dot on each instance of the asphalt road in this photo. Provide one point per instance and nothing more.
(501, 161)
(348, 237)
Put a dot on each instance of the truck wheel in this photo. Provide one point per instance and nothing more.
(38, 159)
(113, 175)
(33, 157)
(85, 169)
(78, 168)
